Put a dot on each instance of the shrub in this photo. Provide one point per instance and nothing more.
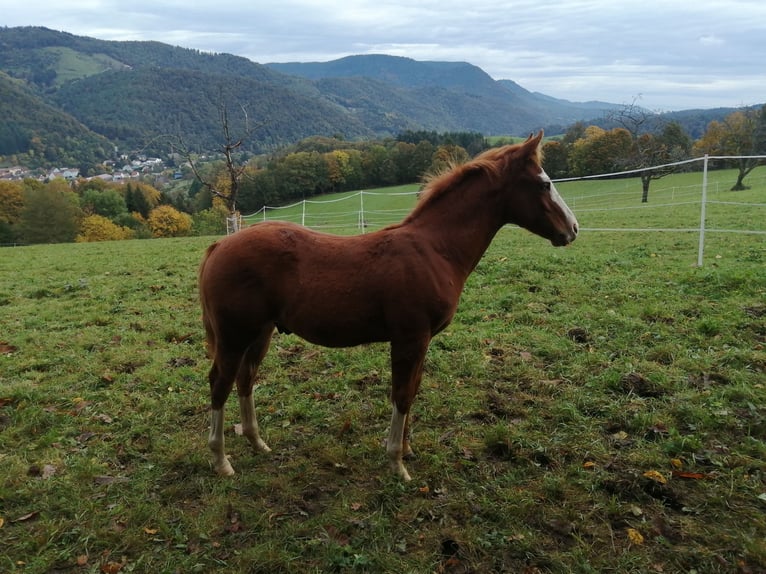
(167, 221)
(99, 228)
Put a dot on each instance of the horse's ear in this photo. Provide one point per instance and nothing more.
(533, 142)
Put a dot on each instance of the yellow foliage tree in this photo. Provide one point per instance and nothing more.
(11, 201)
(99, 228)
(166, 221)
(151, 194)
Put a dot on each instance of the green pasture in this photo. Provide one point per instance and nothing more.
(595, 408)
(674, 204)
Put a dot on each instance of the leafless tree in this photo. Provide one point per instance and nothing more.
(234, 168)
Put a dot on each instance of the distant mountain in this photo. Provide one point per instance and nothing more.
(31, 124)
(457, 91)
(65, 92)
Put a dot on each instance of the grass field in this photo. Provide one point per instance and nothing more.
(599, 408)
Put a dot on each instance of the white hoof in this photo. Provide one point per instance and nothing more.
(400, 470)
(224, 468)
(261, 446)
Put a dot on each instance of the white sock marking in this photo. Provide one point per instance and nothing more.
(215, 442)
(394, 447)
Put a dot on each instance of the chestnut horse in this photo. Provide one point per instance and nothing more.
(400, 284)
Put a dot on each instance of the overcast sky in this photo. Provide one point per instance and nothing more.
(667, 55)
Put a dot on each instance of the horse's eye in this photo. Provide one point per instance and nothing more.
(546, 186)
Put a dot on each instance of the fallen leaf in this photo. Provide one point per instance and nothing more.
(345, 428)
(635, 536)
(676, 463)
(111, 567)
(424, 489)
(28, 516)
(85, 437)
(589, 465)
(689, 475)
(2, 521)
(356, 505)
(151, 531)
(7, 349)
(82, 560)
(655, 476)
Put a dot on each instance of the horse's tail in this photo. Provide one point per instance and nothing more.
(203, 299)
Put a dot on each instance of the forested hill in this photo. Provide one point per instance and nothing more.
(67, 94)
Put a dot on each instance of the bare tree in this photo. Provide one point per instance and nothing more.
(228, 189)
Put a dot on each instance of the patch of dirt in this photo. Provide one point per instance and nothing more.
(637, 384)
(706, 380)
(755, 311)
(632, 486)
(579, 335)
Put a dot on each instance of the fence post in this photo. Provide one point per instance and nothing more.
(701, 250)
(303, 213)
(361, 211)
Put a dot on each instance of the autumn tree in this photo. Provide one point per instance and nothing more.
(599, 151)
(167, 221)
(338, 168)
(99, 228)
(11, 204)
(741, 134)
(11, 201)
(51, 213)
(655, 144)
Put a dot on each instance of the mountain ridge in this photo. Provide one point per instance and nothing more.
(141, 94)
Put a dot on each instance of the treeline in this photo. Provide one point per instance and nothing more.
(93, 210)
(323, 165)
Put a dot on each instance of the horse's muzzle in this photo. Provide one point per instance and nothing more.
(563, 239)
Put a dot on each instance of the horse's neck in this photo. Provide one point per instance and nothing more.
(461, 228)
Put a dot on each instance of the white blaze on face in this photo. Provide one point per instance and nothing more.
(558, 200)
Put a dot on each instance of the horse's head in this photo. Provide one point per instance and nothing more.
(534, 202)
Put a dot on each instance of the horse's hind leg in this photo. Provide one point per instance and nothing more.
(245, 380)
(221, 378)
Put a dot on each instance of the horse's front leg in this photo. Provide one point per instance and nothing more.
(395, 443)
(407, 359)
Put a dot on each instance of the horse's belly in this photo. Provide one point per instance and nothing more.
(343, 323)
(332, 334)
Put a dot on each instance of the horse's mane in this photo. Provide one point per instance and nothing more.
(490, 163)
